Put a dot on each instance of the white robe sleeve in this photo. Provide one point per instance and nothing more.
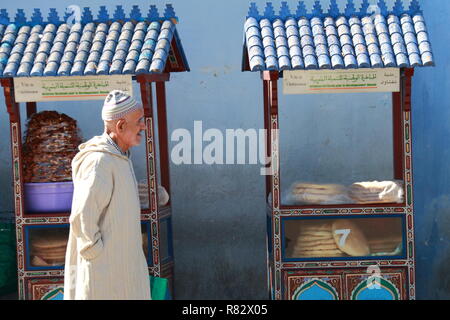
(92, 192)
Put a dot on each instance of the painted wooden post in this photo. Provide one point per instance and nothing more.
(16, 153)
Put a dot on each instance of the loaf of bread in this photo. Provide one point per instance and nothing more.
(349, 238)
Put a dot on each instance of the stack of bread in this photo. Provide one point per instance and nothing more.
(163, 196)
(377, 192)
(51, 142)
(386, 245)
(311, 193)
(333, 238)
(48, 248)
(315, 239)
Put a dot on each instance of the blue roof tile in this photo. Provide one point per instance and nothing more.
(310, 62)
(306, 41)
(297, 62)
(308, 51)
(337, 40)
(343, 29)
(422, 37)
(427, 59)
(402, 60)
(333, 40)
(393, 19)
(295, 51)
(102, 46)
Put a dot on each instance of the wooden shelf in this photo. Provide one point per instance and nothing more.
(343, 263)
(344, 206)
(63, 218)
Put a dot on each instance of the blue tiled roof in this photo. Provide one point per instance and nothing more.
(116, 45)
(334, 39)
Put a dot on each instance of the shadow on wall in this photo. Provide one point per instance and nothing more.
(441, 278)
(435, 237)
(221, 278)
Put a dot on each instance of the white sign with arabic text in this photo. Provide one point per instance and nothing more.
(341, 81)
(36, 89)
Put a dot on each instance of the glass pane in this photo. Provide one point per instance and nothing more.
(343, 237)
(47, 246)
(138, 157)
(269, 232)
(327, 145)
(163, 195)
(143, 193)
(164, 240)
(145, 240)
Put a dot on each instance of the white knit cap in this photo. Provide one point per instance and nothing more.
(117, 104)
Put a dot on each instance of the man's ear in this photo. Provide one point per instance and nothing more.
(121, 125)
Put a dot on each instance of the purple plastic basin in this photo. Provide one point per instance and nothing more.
(48, 197)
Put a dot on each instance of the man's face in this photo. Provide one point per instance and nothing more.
(132, 133)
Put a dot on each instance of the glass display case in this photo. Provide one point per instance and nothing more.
(343, 238)
(46, 246)
(339, 183)
(326, 150)
(41, 212)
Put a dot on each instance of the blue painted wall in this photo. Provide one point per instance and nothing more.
(219, 210)
(431, 131)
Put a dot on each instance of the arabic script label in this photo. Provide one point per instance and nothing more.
(341, 81)
(69, 88)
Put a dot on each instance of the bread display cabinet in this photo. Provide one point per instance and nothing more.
(339, 183)
(57, 60)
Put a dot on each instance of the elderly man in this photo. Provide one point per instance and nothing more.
(104, 258)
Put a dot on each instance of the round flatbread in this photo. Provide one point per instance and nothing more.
(315, 232)
(308, 226)
(364, 197)
(55, 262)
(319, 192)
(382, 250)
(349, 238)
(307, 237)
(318, 254)
(38, 262)
(386, 241)
(317, 186)
(316, 242)
(322, 248)
(316, 248)
(372, 185)
(323, 256)
(374, 201)
(49, 240)
(376, 247)
(312, 243)
(312, 198)
(50, 254)
(55, 249)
